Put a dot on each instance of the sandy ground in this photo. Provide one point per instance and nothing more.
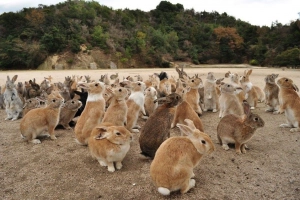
(62, 169)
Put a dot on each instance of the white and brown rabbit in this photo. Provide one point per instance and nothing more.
(68, 111)
(234, 129)
(176, 158)
(93, 112)
(116, 113)
(12, 101)
(289, 104)
(235, 82)
(39, 120)
(271, 90)
(150, 103)
(135, 104)
(229, 102)
(109, 144)
(184, 110)
(211, 98)
(158, 125)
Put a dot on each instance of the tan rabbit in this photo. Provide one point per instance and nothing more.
(116, 113)
(271, 90)
(157, 126)
(193, 96)
(211, 99)
(30, 104)
(150, 104)
(234, 129)
(93, 111)
(38, 120)
(250, 92)
(109, 145)
(135, 104)
(289, 104)
(229, 102)
(184, 110)
(176, 158)
(68, 111)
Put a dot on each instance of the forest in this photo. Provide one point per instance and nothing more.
(166, 34)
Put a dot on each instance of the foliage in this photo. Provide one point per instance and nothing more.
(165, 34)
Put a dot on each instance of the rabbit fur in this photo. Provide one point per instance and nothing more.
(271, 91)
(68, 111)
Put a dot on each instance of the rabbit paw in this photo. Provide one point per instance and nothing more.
(36, 141)
(145, 117)
(102, 163)
(110, 167)
(285, 126)
(294, 130)
(8, 118)
(225, 147)
(14, 119)
(137, 127)
(53, 137)
(135, 131)
(252, 108)
(119, 165)
(192, 183)
(215, 110)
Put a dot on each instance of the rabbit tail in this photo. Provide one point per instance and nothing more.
(164, 191)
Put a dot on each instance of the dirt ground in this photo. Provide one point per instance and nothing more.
(62, 169)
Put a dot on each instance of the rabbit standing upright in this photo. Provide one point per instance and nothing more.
(289, 104)
(271, 90)
(211, 99)
(234, 129)
(174, 161)
(13, 103)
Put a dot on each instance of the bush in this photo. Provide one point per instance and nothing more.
(253, 62)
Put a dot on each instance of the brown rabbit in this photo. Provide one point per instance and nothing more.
(238, 130)
(157, 127)
(229, 102)
(68, 111)
(150, 104)
(109, 144)
(30, 104)
(184, 110)
(271, 90)
(38, 120)
(289, 103)
(174, 161)
(116, 113)
(93, 111)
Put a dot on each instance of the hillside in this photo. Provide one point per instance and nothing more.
(133, 38)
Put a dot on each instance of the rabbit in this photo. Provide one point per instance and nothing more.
(181, 73)
(271, 91)
(30, 104)
(109, 144)
(150, 103)
(157, 126)
(253, 94)
(238, 129)
(184, 110)
(38, 120)
(82, 97)
(12, 101)
(114, 76)
(234, 81)
(175, 159)
(228, 101)
(2, 105)
(210, 93)
(193, 96)
(289, 101)
(135, 104)
(116, 113)
(68, 111)
(33, 90)
(93, 111)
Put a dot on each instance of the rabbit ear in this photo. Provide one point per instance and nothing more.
(102, 134)
(246, 107)
(185, 130)
(190, 124)
(295, 88)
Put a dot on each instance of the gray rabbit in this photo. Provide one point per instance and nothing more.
(13, 103)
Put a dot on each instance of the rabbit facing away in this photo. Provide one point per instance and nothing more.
(184, 110)
(39, 120)
(116, 112)
(211, 100)
(68, 111)
(174, 161)
(109, 144)
(234, 129)
(271, 91)
(229, 102)
(150, 103)
(157, 127)
(93, 111)
(12, 101)
(289, 103)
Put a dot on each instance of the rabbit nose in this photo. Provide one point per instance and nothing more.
(120, 90)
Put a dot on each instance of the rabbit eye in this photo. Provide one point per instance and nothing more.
(53, 100)
(203, 142)
(118, 133)
(30, 101)
(72, 102)
(139, 83)
(255, 119)
(120, 90)
(96, 84)
(286, 80)
(192, 81)
(228, 85)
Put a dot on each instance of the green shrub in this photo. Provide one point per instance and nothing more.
(253, 62)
